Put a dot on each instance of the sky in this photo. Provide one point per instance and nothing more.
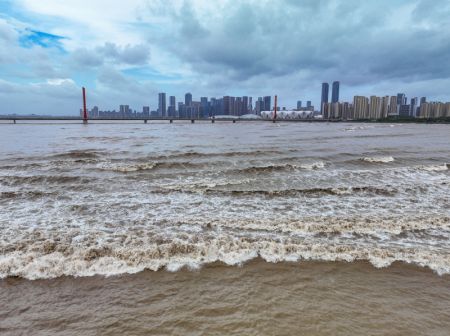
(125, 52)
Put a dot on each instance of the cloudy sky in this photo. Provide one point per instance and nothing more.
(125, 52)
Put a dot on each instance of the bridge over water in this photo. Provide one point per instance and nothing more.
(49, 119)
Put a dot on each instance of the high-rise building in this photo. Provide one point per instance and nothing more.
(125, 111)
(94, 113)
(404, 110)
(375, 107)
(299, 104)
(245, 107)
(324, 98)
(204, 107)
(401, 99)
(146, 111)
(259, 106)
(188, 99)
(172, 101)
(181, 110)
(393, 109)
(162, 110)
(171, 111)
(413, 109)
(360, 107)
(238, 106)
(308, 104)
(335, 92)
(332, 110)
(227, 105)
(267, 103)
(384, 107)
(217, 106)
(346, 111)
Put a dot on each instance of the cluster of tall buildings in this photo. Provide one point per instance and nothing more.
(325, 94)
(373, 108)
(308, 107)
(124, 112)
(227, 105)
(362, 108)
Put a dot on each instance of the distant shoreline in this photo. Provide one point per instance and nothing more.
(15, 118)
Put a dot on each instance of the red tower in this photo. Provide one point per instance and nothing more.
(85, 115)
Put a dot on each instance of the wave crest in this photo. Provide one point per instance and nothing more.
(378, 159)
(106, 260)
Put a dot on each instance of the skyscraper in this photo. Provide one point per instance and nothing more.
(384, 107)
(375, 107)
(244, 105)
(393, 110)
(267, 103)
(324, 100)
(146, 111)
(188, 99)
(238, 106)
(360, 107)
(413, 109)
(162, 111)
(335, 92)
(401, 99)
(299, 104)
(204, 107)
(181, 110)
(226, 105)
(172, 106)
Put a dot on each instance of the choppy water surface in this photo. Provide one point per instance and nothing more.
(121, 198)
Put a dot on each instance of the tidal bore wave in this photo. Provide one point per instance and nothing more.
(59, 260)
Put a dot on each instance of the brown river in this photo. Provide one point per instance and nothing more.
(225, 229)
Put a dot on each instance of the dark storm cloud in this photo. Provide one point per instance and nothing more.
(359, 42)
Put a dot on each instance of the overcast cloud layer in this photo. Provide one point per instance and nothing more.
(125, 52)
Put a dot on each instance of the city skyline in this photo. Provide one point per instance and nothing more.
(360, 108)
(129, 52)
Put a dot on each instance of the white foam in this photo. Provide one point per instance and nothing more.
(312, 165)
(34, 264)
(126, 168)
(378, 159)
(443, 167)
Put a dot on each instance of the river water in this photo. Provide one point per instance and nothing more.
(246, 228)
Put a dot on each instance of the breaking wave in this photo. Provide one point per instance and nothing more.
(378, 159)
(182, 165)
(150, 166)
(55, 261)
(437, 168)
(282, 167)
(43, 254)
